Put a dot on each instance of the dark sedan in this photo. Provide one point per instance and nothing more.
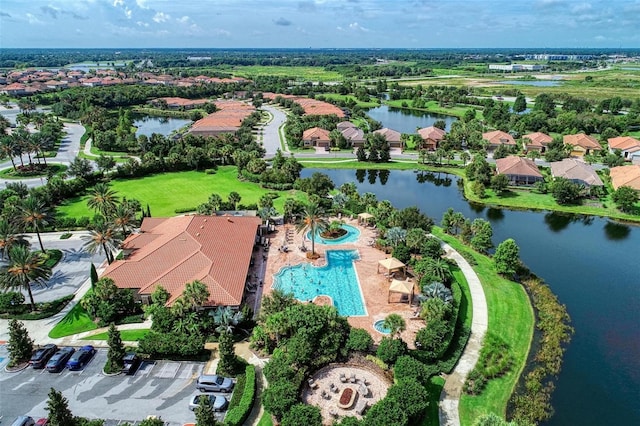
(131, 363)
(42, 355)
(82, 356)
(59, 360)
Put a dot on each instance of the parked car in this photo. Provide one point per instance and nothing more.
(59, 360)
(217, 402)
(131, 363)
(82, 356)
(23, 421)
(41, 356)
(214, 383)
(42, 422)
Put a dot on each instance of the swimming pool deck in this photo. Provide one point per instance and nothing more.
(374, 285)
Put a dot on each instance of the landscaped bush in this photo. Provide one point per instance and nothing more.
(390, 349)
(407, 367)
(11, 301)
(495, 360)
(386, 412)
(166, 345)
(434, 339)
(411, 396)
(359, 340)
(238, 412)
(279, 397)
(302, 414)
(185, 210)
(43, 309)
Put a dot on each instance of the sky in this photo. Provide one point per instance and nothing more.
(319, 23)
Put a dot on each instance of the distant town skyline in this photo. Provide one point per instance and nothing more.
(319, 23)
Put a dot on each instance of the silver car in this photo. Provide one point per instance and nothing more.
(217, 402)
(214, 383)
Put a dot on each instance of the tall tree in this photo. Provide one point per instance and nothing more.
(625, 197)
(313, 221)
(20, 345)
(123, 217)
(116, 350)
(520, 104)
(34, 216)
(24, 268)
(58, 408)
(80, 167)
(103, 199)
(204, 414)
(102, 239)
(507, 257)
(234, 199)
(8, 237)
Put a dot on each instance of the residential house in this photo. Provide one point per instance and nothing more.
(393, 137)
(581, 144)
(576, 171)
(227, 119)
(354, 135)
(625, 176)
(431, 137)
(628, 146)
(537, 141)
(316, 136)
(519, 170)
(498, 138)
(343, 125)
(171, 252)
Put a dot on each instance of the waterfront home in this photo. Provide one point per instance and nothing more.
(171, 252)
(537, 141)
(519, 170)
(393, 137)
(431, 137)
(316, 136)
(497, 138)
(581, 144)
(227, 119)
(628, 146)
(354, 135)
(576, 171)
(625, 176)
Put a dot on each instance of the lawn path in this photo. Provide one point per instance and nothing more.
(450, 396)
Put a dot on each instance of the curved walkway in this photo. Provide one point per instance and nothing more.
(450, 396)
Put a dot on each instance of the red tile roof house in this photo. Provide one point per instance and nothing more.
(497, 138)
(630, 147)
(354, 135)
(172, 252)
(180, 103)
(581, 144)
(576, 171)
(537, 141)
(625, 176)
(519, 170)
(431, 137)
(316, 136)
(393, 137)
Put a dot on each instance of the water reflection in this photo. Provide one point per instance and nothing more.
(360, 175)
(383, 175)
(556, 222)
(373, 175)
(494, 214)
(439, 179)
(477, 208)
(616, 231)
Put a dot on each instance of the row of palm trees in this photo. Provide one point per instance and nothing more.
(23, 142)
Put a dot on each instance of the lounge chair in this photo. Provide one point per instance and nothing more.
(334, 388)
(361, 406)
(312, 384)
(343, 378)
(363, 390)
(352, 378)
(333, 412)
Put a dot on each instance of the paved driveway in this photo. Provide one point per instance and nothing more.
(162, 388)
(270, 135)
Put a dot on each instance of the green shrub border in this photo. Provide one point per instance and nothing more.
(44, 310)
(237, 415)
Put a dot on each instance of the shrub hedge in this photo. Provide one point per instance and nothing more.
(237, 414)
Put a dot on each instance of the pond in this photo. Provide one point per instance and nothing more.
(405, 120)
(538, 83)
(162, 125)
(588, 263)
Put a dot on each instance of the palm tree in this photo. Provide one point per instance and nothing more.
(8, 237)
(24, 267)
(215, 201)
(34, 216)
(395, 324)
(234, 199)
(123, 217)
(312, 222)
(194, 295)
(439, 268)
(8, 149)
(103, 199)
(102, 239)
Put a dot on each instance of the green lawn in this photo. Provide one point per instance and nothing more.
(433, 106)
(302, 73)
(336, 96)
(265, 420)
(126, 335)
(167, 192)
(511, 317)
(76, 321)
(434, 390)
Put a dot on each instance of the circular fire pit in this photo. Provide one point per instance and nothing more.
(347, 398)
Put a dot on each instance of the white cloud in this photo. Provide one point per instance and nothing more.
(357, 27)
(600, 38)
(117, 3)
(33, 19)
(142, 4)
(581, 8)
(142, 24)
(221, 32)
(128, 13)
(183, 20)
(160, 17)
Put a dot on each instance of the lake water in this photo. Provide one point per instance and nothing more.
(591, 265)
(539, 83)
(161, 125)
(405, 120)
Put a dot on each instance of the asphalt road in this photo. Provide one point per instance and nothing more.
(163, 388)
(270, 136)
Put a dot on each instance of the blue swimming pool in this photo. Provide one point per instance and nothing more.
(351, 236)
(337, 279)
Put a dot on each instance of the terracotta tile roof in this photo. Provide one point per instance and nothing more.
(582, 140)
(310, 106)
(514, 165)
(537, 139)
(625, 176)
(432, 133)
(624, 143)
(498, 137)
(227, 118)
(573, 169)
(389, 134)
(317, 133)
(178, 102)
(343, 125)
(353, 134)
(174, 251)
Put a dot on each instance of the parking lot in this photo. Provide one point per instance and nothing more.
(161, 388)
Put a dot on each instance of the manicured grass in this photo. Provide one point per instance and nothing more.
(336, 96)
(265, 420)
(434, 390)
(54, 168)
(433, 106)
(53, 257)
(167, 192)
(76, 321)
(302, 73)
(126, 335)
(511, 317)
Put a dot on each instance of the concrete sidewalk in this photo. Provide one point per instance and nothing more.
(450, 396)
